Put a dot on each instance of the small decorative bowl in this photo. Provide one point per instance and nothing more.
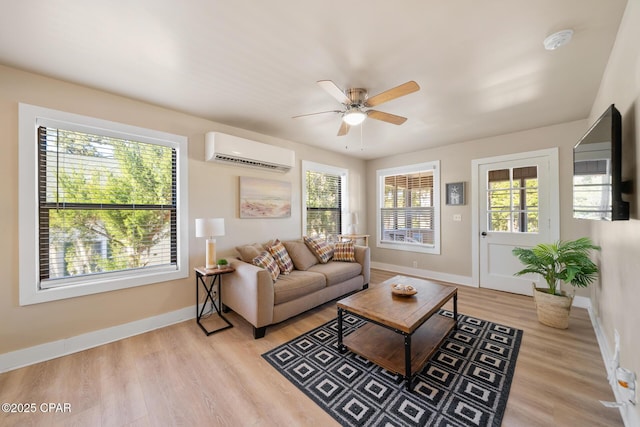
(403, 290)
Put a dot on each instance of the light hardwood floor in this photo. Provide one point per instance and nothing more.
(178, 376)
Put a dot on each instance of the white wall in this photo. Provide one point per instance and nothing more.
(455, 165)
(213, 192)
(617, 299)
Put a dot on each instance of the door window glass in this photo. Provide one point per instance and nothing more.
(512, 200)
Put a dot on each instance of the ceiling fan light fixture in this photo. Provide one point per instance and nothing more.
(354, 117)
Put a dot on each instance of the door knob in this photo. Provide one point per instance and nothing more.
(483, 234)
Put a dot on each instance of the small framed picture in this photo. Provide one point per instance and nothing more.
(455, 193)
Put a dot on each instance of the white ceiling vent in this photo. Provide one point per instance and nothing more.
(220, 147)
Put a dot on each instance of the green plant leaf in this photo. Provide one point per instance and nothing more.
(566, 261)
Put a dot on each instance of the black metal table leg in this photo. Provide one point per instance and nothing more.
(341, 347)
(407, 360)
(215, 279)
(455, 310)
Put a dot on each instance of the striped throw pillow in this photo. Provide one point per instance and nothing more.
(280, 254)
(267, 262)
(320, 248)
(344, 251)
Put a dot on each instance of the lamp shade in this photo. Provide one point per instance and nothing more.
(209, 227)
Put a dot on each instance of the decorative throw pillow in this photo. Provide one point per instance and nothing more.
(280, 254)
(267, 262)
(249, 252)
(320, 248)
(300, 254)
(344, 251)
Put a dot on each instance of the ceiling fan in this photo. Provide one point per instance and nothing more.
(356, 103)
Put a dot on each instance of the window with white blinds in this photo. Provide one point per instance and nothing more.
(408, 208)
(103, 205)
(323, 200)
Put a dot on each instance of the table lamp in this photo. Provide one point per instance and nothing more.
(209, 228)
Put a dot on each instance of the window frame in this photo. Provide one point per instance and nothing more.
(433, 166)
(321, 168)
(30, 291)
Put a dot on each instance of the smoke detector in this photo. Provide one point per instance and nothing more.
(558, 39)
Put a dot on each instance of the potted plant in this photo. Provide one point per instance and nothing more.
(562, 261)
(222, 264)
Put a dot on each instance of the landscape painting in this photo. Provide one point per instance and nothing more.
(264, 198)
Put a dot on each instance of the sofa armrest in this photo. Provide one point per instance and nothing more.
(249, 292)
(363, 257)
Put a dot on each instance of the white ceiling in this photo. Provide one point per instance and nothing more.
(254, 64)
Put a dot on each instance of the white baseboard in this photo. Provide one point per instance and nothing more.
(581, 302)
(629, 416)
(40, 353)
(427, 274)
(578, 301)
(43, 352)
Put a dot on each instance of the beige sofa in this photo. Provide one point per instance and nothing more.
(251, 292)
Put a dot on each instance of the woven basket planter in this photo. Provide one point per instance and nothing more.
(553, 310)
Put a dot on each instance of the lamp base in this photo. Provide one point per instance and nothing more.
(211, 254)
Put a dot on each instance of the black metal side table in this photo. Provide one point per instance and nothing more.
(213, 276)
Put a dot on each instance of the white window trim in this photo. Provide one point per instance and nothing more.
(318, 167)
(30, 117)
(410, 247)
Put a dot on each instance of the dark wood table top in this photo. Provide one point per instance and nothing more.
(404, 313)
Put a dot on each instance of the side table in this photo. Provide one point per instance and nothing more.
(213, 276)
(354, 237)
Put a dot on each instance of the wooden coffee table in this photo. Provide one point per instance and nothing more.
(397, 321)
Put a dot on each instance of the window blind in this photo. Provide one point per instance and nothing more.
(105, 205)
(408, 212)
(324, 204)
(591, 167)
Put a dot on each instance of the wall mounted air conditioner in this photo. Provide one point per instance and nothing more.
(220, 147)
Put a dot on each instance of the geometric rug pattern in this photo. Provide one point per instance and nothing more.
(465, 383)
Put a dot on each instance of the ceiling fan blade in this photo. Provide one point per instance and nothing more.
(332, 89)
(344, 129)
(386, 117)
(313, 114)
(396, 92)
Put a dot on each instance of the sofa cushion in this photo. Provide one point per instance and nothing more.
(266, 261)
(249, 252)
(300, 254)
(296, 285)
(344, 251)
(320, 248)
(280, 254)
(337, 272)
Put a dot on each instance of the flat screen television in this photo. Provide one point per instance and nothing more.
(597, 175)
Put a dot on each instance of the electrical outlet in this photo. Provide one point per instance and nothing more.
(415, 264)
(457, 217)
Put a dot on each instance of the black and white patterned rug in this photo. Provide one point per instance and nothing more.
(466, 382)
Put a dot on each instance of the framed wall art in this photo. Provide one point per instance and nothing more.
(264, 198)
(455, 193)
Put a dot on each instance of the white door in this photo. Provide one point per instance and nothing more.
(517, 207)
